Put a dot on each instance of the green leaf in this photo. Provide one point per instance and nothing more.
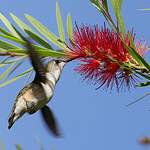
(131, 40)
(144, 9)
(11, 38)
(38, 39)
(100, 5)
(13, 52)
(7, 71)
(103, 8)
(20, 23)
(2, 146)
(6, 45)
(135, 54)
(15, 67)
(19, 33)
(12, 60)
(2, 65)
(5, 32)
(23, 38)
(18, 147)
(60, 23)
(138, 58)
(96, 4)
(143, 75)
(10, 69)
(4, 60)
(8, 25)
(144, 84)
(116, 5)
(43, 52)
(16, 78)
(29, 31)
(45, 32)
(21, 42)
(51, 53)
(105, 5)
(69, 27)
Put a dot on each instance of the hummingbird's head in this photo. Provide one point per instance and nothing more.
(55, 67)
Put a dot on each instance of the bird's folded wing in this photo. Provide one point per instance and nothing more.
(36, 63)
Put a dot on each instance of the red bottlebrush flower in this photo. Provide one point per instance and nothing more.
(104, 56)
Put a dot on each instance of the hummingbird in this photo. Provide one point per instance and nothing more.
(39, 92)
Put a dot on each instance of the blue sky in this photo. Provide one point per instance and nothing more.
(89, 118)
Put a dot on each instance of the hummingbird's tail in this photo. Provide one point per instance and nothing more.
(18, 110)
(13, 117)
(11, 120)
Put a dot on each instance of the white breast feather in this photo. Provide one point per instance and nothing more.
(48, 90)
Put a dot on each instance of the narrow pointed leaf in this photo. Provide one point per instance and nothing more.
(100, 4)
(19, 41)
(4, 60)
(16, 78)
(116, 5)
(38, 39)
(8, 25)
(11, 38)
(131, 40)
(96, 4)
(19, 33)
(51, 53)
(29, 31)
(15, 67)
(6, 72)
(144, 9)
(138, 58)
(6, 45)
(43, 52)
(10, 69)
(18, 147)
(103, 8)
(69, 27)
(23, 38)
(45, 32)
(60, 23)
(3, 147)
(144, 84)
(105, 5)
(5, 32)
(20, 23)
(12, 60)
(143, 75)
(136, 55)
(13, 52)
(2, 65)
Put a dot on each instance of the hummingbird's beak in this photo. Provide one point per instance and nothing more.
(68, 60)
(65, 60)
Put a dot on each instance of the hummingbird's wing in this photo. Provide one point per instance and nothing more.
(50, 120)
(36, 63)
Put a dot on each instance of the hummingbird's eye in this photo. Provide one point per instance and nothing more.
(57, 61)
